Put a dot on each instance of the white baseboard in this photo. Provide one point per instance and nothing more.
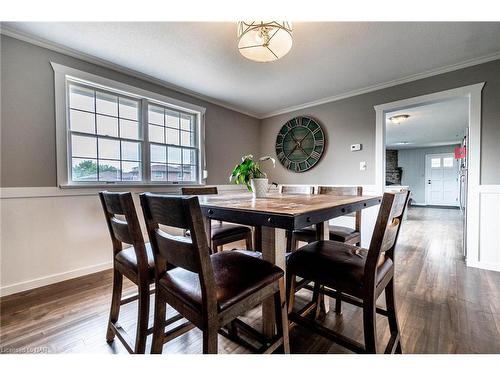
(52, 279)
(484, 265)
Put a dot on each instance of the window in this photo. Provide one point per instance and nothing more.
(448, 162)
(112, 133)
(435, 162)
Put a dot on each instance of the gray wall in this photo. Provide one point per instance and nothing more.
(413, 163)
(28, 151)
(352, 120)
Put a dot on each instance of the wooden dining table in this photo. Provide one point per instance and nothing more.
(276, 214)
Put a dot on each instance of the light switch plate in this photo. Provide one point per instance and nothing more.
(356, 147)
(362, 165)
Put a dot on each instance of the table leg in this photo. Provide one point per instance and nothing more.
(323, 233)
(273, 250)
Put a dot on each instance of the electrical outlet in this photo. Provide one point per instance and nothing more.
(362, 165)
(356, 147)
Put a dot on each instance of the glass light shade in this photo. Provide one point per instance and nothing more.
(264, 41)
(398, 119)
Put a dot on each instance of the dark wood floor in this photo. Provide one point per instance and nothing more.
(443, 306)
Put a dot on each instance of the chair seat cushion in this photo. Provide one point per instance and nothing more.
(334, 264)
(237, 275)
(221, 230)
(337, 233)
(127, 258)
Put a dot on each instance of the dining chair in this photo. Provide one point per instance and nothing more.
(337, 233)
(137, 264)
(222, 233)
(294, 189)
(360, 274)
(210, 291)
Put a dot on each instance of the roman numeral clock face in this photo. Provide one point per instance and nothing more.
(300, 144)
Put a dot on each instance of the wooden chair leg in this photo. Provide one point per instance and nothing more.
(115, 304)
(282, 316)
(338, 303)
(248, 241)
(142, 318)
(295, 244)
(392, 315)
(210, 339)
(289, 236)
(316, 297)
(290, 287)
(159, 322)
(370, 325)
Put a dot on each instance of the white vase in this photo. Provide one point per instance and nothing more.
(259, 187)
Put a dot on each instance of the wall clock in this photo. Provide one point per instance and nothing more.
(300, 144)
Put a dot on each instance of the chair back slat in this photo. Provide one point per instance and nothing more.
(296, 189)
(195, 190)
(177, 250)
(165, 211)
(342, 191)
(121, 231)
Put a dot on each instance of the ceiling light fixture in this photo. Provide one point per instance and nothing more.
(264, 41)
(398, 119)
(403, 143)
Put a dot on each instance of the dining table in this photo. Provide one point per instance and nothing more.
(275, 215)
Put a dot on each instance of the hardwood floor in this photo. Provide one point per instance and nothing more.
(443, 307)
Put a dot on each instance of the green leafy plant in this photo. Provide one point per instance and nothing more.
(248, 169)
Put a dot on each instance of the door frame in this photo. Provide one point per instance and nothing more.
(473, 93)
(426, 170)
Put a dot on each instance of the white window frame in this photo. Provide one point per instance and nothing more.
(61, 75)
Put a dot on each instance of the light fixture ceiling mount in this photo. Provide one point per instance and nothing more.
(264, 41)
(398, 119)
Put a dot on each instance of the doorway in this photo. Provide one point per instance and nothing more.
(469, 171)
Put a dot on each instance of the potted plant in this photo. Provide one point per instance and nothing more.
(248, 172)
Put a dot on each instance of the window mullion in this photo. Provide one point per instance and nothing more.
(145, 157)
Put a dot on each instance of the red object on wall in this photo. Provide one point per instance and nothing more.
(460, 152)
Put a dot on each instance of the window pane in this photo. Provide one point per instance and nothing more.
(174, 172)
(187, 122)
(155, 115)
(107, 126)
(174, 155)
(82, 121)
(109, 149)
(84, 147)
(172, 136)
(172, 119)
(129, 129)
(131, 151)
(188, 157)
(84, 170)
(158, 172)
(156, 134)
(158, 154)
(448, 162)
(109, 170)
(187, 139)
(435, 162)
(129, 109)
(188, 173)
(106, 103)
(131, 171)
(81, 98)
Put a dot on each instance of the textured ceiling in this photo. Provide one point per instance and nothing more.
(435, 124)
(327, 59)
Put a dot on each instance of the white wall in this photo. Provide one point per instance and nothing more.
(413, 163)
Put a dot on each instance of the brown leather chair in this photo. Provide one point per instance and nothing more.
(211, 291)
(134, 262)
(222, 233)
(337, 233)
(361, 275)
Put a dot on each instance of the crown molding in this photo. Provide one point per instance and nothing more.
(40, 42)
(380, 86)
(8, 31)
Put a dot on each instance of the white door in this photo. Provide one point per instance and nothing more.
(441, 180)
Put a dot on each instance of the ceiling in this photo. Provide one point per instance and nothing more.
(327, 59)
(437, 124)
